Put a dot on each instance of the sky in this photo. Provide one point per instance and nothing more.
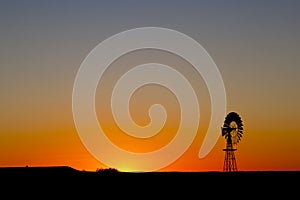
(254, 44)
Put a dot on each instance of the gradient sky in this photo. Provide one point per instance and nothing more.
(255, 45)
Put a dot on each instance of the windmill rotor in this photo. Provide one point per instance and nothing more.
(232, 129)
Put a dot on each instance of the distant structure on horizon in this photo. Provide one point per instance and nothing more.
(232, 131)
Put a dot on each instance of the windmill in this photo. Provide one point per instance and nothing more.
(232, 131)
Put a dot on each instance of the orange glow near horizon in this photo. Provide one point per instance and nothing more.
(38, 150)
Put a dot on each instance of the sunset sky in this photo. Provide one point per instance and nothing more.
(255, 45)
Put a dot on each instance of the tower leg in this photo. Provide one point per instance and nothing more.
(229, 162)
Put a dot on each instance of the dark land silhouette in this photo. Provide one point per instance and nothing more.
(65, 180)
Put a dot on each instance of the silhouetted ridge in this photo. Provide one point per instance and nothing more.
(33, 171)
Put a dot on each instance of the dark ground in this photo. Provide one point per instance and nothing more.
(59, 181)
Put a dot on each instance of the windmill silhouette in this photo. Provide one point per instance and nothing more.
(232, 131)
